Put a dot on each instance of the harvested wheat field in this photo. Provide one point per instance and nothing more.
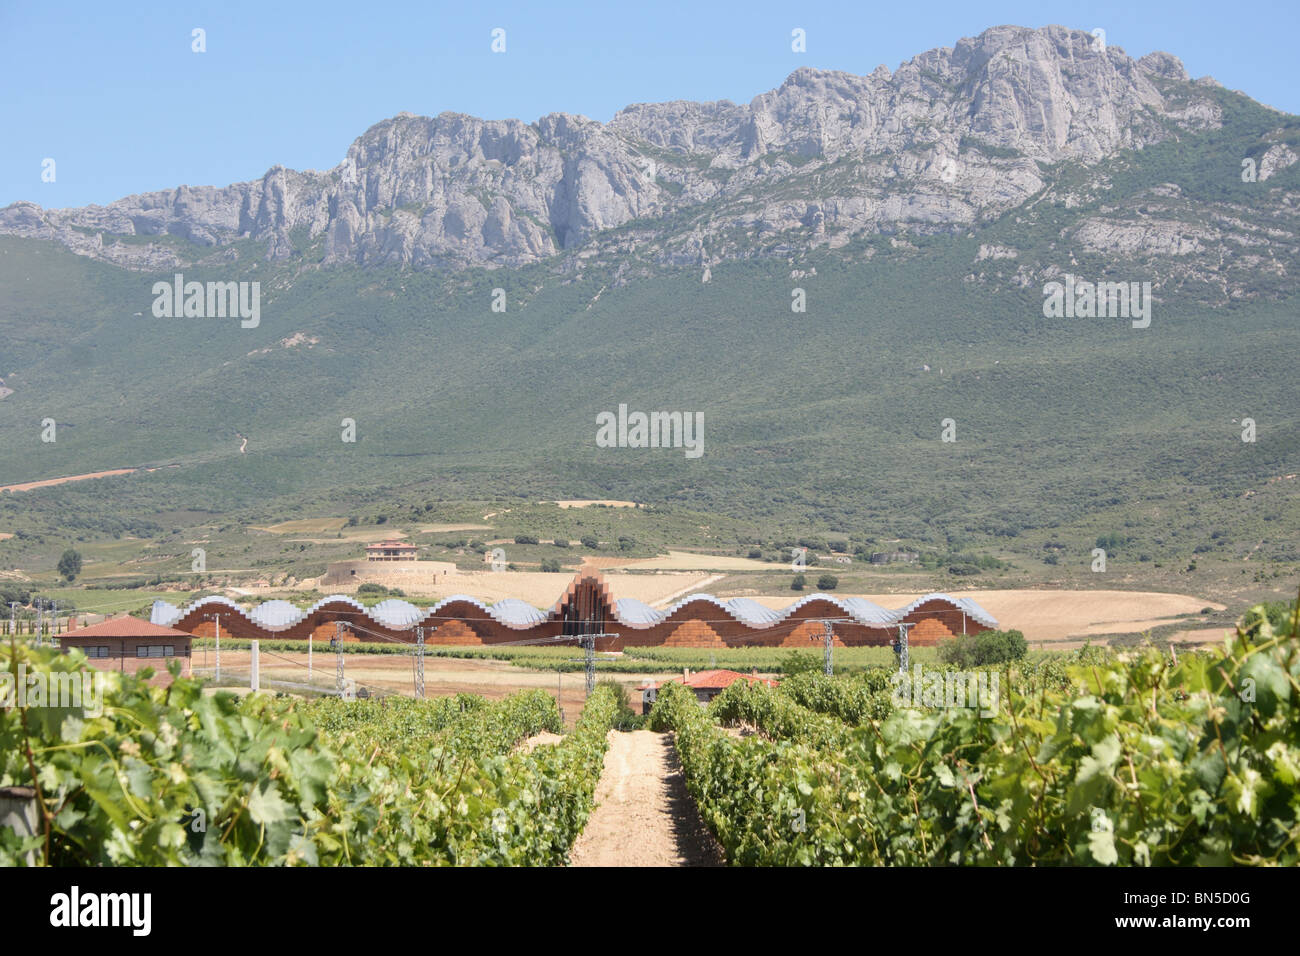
(541, 589)
(1061, 618)
(689, 561)
(304, 526)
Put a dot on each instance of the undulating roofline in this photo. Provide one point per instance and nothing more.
(395, 614)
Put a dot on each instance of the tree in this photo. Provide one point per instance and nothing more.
(590, 541)
(13, 592)
(626, 718)
(798, 583)
(70, 564)
(827, 582)
(799, 662)
(987, 647)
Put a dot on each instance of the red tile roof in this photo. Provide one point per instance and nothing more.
(717, 679)
(125, 626)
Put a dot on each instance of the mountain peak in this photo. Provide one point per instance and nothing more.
(456, 190)
(1165, 65)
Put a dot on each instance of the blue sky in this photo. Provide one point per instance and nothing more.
(122, 105)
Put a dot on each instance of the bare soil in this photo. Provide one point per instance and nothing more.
(49, 482)
(543, 738)
(1058, 615)
(394, 674)
(540, 589)
(588, 502)
(644, 815)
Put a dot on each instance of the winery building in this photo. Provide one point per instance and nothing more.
(126, 644)
(588, 607)
(706, 685)
(391, 551)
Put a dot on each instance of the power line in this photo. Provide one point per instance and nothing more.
(828, 638)
(880, 626)
(588, 658)
(419, 663)
(337, 644)
(901, 646)
(783, 628)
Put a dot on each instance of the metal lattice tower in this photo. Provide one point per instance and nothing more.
(13, 617)
(829, 638)
(337, 644)
(900, 647)
(40, 621)
(419, 662)
(828, 641)
(217, 652)
(589, 662)
(588, 659)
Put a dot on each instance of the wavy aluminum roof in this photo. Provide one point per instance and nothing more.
(275, 615)
(511, 612)
(400, 615)
(281, 615)
(750, 612)
(636, 613)
(396, 613)
(516, 613)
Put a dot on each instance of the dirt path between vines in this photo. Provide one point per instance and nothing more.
(543, 738)
(643, 815)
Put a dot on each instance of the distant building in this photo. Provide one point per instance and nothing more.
(416, 573)
(706, 684)
(588, 607)
(127, 644)
(390, 551)
(892, 557)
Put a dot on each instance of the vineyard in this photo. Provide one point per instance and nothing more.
(1146, 758)
(632, 660)
(1140, 759)
(179, 777)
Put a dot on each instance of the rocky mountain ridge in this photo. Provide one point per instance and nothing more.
(953, 138)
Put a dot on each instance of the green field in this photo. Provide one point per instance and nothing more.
(823, 425)
(635, 660)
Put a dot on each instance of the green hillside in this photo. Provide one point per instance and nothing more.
(824, 420)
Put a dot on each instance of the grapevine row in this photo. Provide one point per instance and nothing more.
(1142, 759)
(178, 777)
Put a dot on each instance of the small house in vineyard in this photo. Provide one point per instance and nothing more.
(127, 644)
(706, 684)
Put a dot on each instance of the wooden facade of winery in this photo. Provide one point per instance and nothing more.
(588, 607)
(127, 645)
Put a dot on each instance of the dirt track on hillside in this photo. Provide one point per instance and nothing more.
(50, 482)
(643, 815)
